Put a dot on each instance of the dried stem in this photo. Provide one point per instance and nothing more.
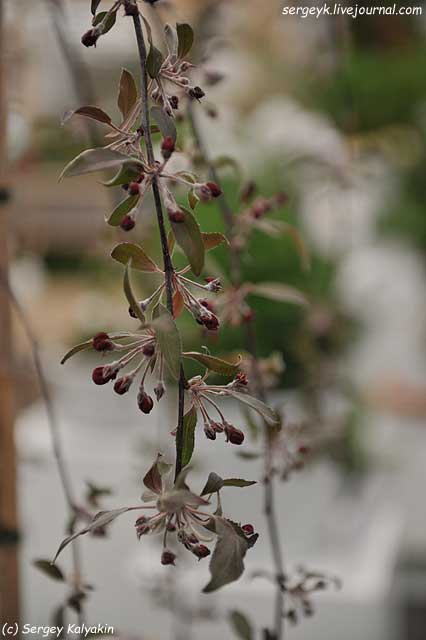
(268, 479)
(58, 452)
(168, 266)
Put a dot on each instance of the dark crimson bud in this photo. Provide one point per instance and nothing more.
(149, 349)
(201, 551)
(159, 391)
(211, 322)
(168, 557)
(192, 539)
(167, 147)
(130, 9)
(145, 402)
(248, 529)
(142, 529)
(233, 435)
(210, 432)
(127, 223)
(303, 450)
(197, 93)
(217, 426)
(133, 189)
(174, 102)
(102, 342)
(176, 216)
(90, 38)
(122, 385)
(216, 191)
(171, 527)
(102, 375)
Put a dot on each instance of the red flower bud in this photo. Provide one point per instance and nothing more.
(159, 391)
(102, 342)
(130, 9)
(145, 402)
(201, 551)
(210, 432)
(241, 378)
(248, 315)
(197, 93)
(233, 435)
(248, 529)
(133, 189)
(174, 102)
(168, 557)
(90, 38)
(102, 375)
(176, 216)
(122, 385)
(148, 349)
(127, 223)
(207, 304)
(216, 191)
(167, 147)
(211, 322)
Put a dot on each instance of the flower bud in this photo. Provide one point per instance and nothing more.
(90, 38)
(213, 285)
(248, 529)
(174, 102)
(145, 402)
(102, 375)
(207, 304)
(133, 189)
(122, 385)
(210, 432)
(102, 342)
(128, 223)
(201, 551)
(241, 378)
(168, 557)
(196, 92)
(233, 435)
(211, 322)
(176, 216)
(167, 147)
(148, 349)
(215, 190)
(130, 9)
(159, 391)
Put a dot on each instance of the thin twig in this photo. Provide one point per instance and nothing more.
(168, 266)
(58, 452)
(268, 479)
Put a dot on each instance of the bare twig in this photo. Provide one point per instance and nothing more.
(61, 463)
(168, 266)
(268, 479)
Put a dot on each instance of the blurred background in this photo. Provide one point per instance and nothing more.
(331, 111)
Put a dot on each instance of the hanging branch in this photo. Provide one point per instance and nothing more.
(168, 266)
(58, 452)
(268, 480)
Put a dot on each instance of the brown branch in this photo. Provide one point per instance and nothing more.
(268, 479)
(168, 266)
(58, 452)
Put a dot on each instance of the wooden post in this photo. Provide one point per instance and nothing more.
(9, 578)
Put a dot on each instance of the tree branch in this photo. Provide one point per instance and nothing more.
(168, 266)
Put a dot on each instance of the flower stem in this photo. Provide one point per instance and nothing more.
(168, 266)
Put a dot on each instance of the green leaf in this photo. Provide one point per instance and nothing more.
(152, 479)
(133, 303)
(185, 36)
(127, 93)
(279, 292)
(188, 438)
(126, 251)
(226, 564)
(94, 6)
(94, 160)
(223, 367)
(189, 238)
(238, 482)
(171, 38)
(122, 210)
(154, 61)
(213, 240)
(101, 519)
(94, 113)
(169, 341)
(214, 483)
(49, 569)
(193, 199)
(127, 173)
(241, 625)
(266, 412)
(107, 20)
(164, 121)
